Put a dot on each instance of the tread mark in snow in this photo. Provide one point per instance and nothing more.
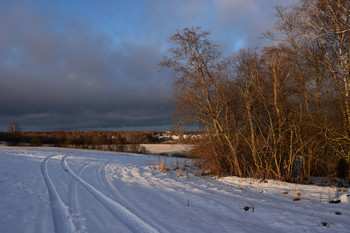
(62, 220)
(120, 198)
(74, 202)
(132, 221)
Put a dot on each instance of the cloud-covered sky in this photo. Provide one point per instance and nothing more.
(91, 64)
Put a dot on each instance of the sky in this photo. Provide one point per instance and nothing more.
(92, 64)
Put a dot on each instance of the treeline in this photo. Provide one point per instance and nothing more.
(85, 139)
(281, 111)
(122, 141)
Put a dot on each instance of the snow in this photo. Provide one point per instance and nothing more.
(167, 148)
(67, 190)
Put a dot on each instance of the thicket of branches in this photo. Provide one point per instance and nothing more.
(280, 111)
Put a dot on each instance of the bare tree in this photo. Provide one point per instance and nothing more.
(273, 112)
(328, 23)
(14, 128)
(202, 90)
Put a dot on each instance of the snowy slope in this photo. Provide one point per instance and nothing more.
(62, 190)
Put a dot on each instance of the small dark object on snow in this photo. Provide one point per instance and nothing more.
(325, 224)
(246, 208)
(334, 201)
(338, 213)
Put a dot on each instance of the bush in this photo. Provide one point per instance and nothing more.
(36, 141)
(211, 157)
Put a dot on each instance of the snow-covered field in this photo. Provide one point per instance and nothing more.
(65, 190)
(167, 148)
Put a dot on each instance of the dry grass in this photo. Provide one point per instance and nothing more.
(162, 166)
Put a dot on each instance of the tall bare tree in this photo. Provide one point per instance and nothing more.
(202, 87)
(328, 23)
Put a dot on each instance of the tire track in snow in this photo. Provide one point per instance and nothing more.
(128, 218)
(62, 220)
(74, 201)
(120, 198)
(116, 194)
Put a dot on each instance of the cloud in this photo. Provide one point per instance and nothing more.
(92, 64)
(246, 20)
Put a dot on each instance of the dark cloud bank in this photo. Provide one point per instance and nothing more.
(92, 64)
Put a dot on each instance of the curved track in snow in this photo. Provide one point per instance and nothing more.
(62, 219)
(121, 199)
(93, 191)
(116, 194)
(74, 201)
(134, 223)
